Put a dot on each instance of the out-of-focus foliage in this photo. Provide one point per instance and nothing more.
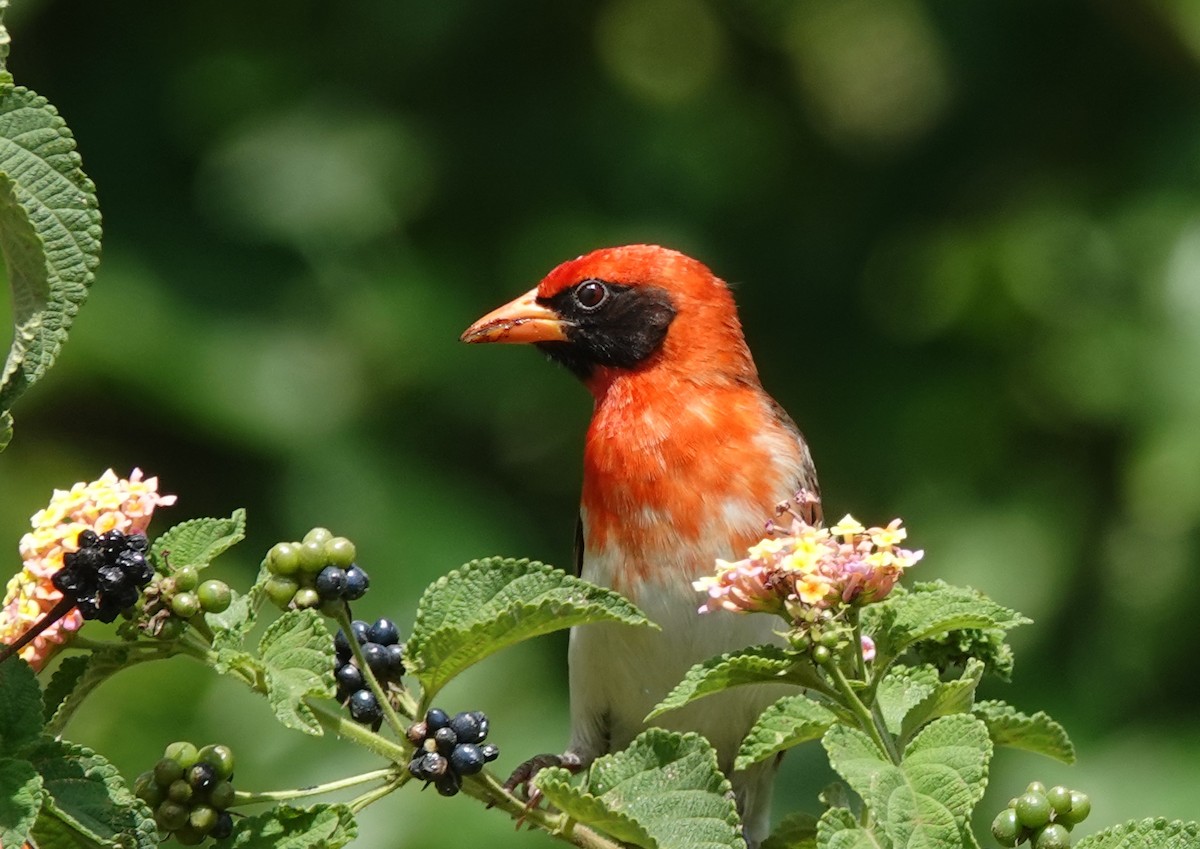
(966, 243)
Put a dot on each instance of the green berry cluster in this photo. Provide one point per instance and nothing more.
(176, 598)
(820, 634)
(318, 571)
(189, 790)
(1042, 817)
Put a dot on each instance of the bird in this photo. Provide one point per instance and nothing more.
(685, 459)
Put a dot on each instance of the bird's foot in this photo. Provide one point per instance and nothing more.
(519, 782)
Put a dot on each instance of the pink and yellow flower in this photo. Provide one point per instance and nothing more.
(105, 504)
(804, 566)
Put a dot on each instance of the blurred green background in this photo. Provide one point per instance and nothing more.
(966, 244)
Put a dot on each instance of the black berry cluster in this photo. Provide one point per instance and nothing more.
(449, 748)
(106, 574)
(1042, 817)
(318, 570)
(384, 655)
(189, 790)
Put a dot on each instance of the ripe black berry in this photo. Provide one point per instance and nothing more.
(224, 826)
(384, 632)
(395, 660)
(467, 759)
(490, 751)
(331, 582)
(449, 784)
(364, 708)
(466, 728)
(356, 584)
(436, 718)
(202, 776)
(349, 679)
(446, 740)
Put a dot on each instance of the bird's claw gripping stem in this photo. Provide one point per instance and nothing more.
(524, 773)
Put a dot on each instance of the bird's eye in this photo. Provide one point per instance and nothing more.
(590, 294)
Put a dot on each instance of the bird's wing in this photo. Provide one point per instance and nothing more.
(807, 480)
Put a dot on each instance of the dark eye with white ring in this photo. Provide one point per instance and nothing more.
(590, 294)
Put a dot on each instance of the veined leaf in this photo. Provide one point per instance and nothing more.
(490, 604)
(923, 802)
(788, 722)
(1157, 833)
(89, 800)
(49, 234)
(839, 829)
(795, 831)
(74, 679)
(20, 800)
(930, 609)
(297, 655)
(197, 542)
(947, 697)
(901, 689)
(754, 665)
(1033, 733)
(20, 707)
(663, 792)
(285, 827)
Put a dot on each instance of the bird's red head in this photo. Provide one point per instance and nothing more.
(635, 308)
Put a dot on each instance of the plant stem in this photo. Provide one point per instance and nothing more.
(333, 720)
(245, 798)
(868, 721)
(389, 714)
(358, 803)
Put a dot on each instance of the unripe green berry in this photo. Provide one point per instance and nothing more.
(1033, 809)
(220, 758)
(830, 639)
(312, 557)
(202, 818)
(1081, 806)
(170, 815)
(167, 770)
(800, 640)
(182, 752)
(283, 558)
(280, 591)
(170, 629)
(188, 836)
(221, 796)
(318, 535)
(186, 578)
(1059, 798)
(1036, 787)
(1053, 836)
(305, 598)
(340, 552)
(215, 596)
(149, 790)
(1005, 828)
(180, 791)
(185, 605)
(821, 655)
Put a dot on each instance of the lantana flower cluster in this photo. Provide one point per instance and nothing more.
(802, 567)
(108, 503)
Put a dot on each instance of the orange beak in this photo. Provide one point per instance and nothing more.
(523, 321)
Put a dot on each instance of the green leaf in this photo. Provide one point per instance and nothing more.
(923, 802)
(954, 649)
(49, 234)
(664, 791)
(928, 610)
(795, 831)
(1037, 733)
(231, 625)
(753, 665)
(20, 800)
(75, 678)
(839, 829)
(6, 429)
(65, 678)
(490, 604)
(86, 795)
(902, 689)
(947, 697)
(20, 706)
(297, 656)
(788, 722)
(285, 827)
(1157, 833)
(197, 542)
